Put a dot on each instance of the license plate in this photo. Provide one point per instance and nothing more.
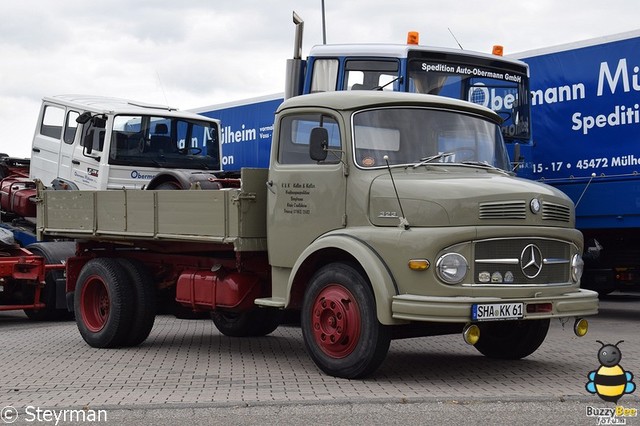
(496, 311)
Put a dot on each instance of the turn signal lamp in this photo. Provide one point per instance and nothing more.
(413, 37)
(497, 50)
(581, 327)
(419, 264)
(471, 334)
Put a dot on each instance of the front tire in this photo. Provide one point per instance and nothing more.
(340, 327)
(511, 339)
(104, 303)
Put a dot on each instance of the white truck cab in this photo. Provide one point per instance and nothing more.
(89, 142)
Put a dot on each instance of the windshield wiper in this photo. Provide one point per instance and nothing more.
(484, 165)
(431, 158)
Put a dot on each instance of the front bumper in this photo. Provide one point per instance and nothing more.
(410, 307)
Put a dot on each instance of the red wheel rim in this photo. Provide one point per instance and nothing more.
(95, 304)
(335, 321)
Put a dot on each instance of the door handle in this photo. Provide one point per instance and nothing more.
(76, 162)
(35, 149)
(270, 186)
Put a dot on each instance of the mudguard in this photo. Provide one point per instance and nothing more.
(379, 275)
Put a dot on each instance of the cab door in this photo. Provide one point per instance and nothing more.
(306, 198)
(87, 155)
(70, 138)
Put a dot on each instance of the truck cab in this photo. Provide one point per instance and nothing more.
(410, 196)
(490, 80)
(84, 142)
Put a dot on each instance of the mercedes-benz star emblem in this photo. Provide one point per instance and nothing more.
(531, 261)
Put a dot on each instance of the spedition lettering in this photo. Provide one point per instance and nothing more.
(620, 116)
(469, 71)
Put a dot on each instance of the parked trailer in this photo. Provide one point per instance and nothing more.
(382, 215)
(586, 123)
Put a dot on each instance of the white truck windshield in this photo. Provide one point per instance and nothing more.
(156, 141)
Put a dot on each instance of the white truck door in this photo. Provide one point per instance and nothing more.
(70, 139)
(87, 156)
(46, 144)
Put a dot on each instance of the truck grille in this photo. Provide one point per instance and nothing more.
(548, 260)
(553, 211)
(503, 210)
(518, 210)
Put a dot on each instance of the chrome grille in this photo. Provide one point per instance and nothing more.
(503, 210)
(553, 211)
(502, 255)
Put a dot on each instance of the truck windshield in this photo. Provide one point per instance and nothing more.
(156, 141)
(495, 84)
(410, 136)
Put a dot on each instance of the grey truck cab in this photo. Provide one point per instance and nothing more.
(391, 209)
(91, 142)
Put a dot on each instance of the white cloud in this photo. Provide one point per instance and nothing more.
(193, 53)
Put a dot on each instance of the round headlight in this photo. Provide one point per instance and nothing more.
(452, 268)
(577, 266)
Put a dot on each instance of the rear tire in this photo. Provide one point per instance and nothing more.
(103, 303)
(53, 253)
(144, 308)
(340, 326)
(511, 339)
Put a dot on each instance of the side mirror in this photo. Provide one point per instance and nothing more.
(83, 118)
(88, 142)
(318, 143)
(99, 122)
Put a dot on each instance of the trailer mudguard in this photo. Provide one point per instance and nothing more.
(379, 275)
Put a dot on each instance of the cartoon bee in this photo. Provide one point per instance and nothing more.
(610, 381)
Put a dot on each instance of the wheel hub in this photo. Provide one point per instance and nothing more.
(336, 321)
(95, 304)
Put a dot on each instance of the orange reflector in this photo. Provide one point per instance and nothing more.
(419, 264)
(413, 37)
(497, 50)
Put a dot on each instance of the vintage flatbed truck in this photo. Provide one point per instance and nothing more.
(382, 215)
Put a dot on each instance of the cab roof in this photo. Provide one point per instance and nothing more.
(379, 50)
(109, 105)
(362, 99)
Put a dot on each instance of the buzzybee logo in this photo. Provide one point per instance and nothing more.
(610, 381)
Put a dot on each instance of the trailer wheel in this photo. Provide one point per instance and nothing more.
(144, 310)
(340, 327)
(52, 252)
(103, 303)
(254, 323)
(511, 339)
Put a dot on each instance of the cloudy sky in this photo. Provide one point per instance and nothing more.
(192, 53)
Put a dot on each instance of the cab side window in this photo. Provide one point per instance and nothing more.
(52, 122)
(325, 75)
(295, 130)
(71, 127)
